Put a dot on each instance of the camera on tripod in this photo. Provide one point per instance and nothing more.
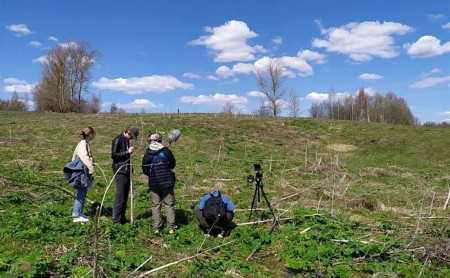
(258, 177)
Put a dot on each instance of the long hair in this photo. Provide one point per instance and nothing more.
(87, 131)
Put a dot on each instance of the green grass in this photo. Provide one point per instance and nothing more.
(367, 182)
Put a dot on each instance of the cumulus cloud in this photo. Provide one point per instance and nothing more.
(255, 94)
(315, 96)
(217, 99)
(19, 30)
(51, 38)
(445, 113)
(35, 44)
(427, 46)
(446, 25)
(212, 77)
(362, 41)
(277, 40)
(139, 104)
(297, 63)
(429, 82)
(370, 76)
(41, 60)
(191, 75)
(228, 42)
(17, 85)
(140, 85)
(12, 80)
(436, 17)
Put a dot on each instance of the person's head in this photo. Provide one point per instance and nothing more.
(154, 137)
(132, 133)
(88, 133)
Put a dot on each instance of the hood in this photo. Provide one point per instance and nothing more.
(155, 146)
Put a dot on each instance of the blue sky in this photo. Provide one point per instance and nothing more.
(161, 56)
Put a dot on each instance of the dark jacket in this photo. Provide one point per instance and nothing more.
(158, 167)
(119, 154)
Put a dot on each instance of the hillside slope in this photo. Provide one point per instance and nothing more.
(363, 199)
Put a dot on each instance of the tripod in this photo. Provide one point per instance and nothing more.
(257, 198)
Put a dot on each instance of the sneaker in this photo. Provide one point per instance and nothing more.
(80, 219)
(206, 234)
(85, 216)
(221, 234)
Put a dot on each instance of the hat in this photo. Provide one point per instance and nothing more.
(134, 132)
(154, 137)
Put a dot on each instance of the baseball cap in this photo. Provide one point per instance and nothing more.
(134, 132)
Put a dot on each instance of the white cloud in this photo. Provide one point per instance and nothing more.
(12, 80)
(277, 40)
(19, 88)
(140, 85)
(138, 103)
(191, 75)
(446, 113)
(217, 99)
(51, 38)
(35, 44)
(427, 46)
(228, 42)
(429, 82)
(446, 25)
(436, 17)
(255, 94)
(41, 60)
(298, 63)
(19, 30)
(369, 91)
(212, 77)
(434, 70)
(69, 44)
(362, 41)
(314, 96)
(370, 76)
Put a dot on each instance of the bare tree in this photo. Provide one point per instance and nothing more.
(65, 77)
(229, 108)
(270, 83)
(294, 104)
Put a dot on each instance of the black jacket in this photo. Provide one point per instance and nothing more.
(119, 154)
(160, 174)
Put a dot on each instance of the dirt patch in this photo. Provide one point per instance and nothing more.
(342, 148)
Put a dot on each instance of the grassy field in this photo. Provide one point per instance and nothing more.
(363, 199)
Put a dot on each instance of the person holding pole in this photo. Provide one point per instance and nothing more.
(121, 154)
(158, 163)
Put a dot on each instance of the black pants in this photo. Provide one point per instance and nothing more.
(120, 203)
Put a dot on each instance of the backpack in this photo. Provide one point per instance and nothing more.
(155, 157)
(215, 208)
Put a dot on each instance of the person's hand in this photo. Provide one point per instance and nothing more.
(130, 150)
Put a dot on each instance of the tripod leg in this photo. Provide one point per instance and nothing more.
(254, 205)
(270, 207)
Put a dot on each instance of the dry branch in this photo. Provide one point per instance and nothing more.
(145, 274)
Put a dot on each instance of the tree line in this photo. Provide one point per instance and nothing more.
(388, 109)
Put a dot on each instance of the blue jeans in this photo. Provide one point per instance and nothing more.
(79, 201)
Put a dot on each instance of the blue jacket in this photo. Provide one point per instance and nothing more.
(77, 174)
(230, 206)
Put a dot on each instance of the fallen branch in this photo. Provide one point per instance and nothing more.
(71, 194)
(145, 274)
(448, 199)
(263, 221)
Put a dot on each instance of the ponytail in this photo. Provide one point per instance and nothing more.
(86, 132)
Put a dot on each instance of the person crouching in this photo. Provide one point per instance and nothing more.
(215, 213)
(157, 164)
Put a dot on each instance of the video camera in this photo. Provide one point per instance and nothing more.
(259, 175)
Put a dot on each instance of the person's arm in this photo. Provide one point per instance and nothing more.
(172, 161)
(83, 155)
(230, 206)
(146, 164)
(116, 152)
(201, 206)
